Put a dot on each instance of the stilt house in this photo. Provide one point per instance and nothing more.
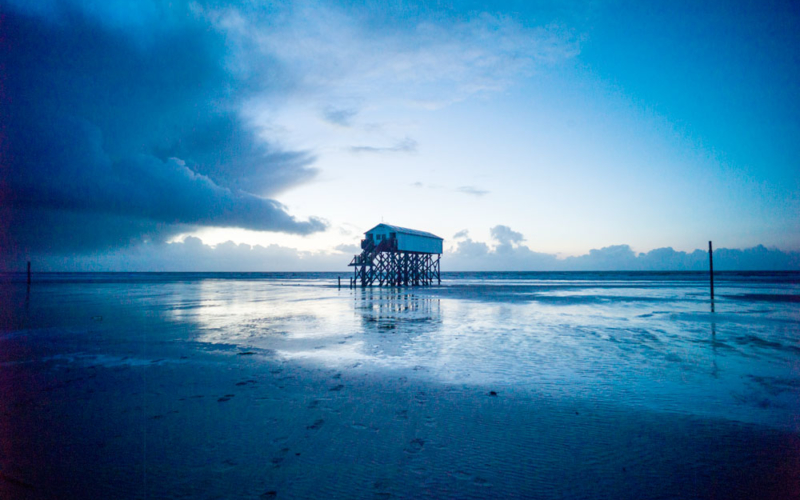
(397, 256)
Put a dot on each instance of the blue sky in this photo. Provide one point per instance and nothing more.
(132, 126)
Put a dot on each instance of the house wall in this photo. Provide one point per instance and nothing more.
(414, 243)
(409, 242)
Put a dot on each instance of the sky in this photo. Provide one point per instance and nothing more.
(250, 135)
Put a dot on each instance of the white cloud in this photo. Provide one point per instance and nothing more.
(192, 255)
(511, 255)
(359, 64)
(472, 190)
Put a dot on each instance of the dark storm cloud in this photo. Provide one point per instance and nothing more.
(131, 118)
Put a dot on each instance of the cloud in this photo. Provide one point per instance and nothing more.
(622, 257)
(505, 236)
(348, 249)
(510, 255)
(192, 255)
(383, 54)
(407, 145)
(341, 117)
(471, 190)
(75, 174)
(469, 250)
(142, 120)
(127, 121)
(461, 234)
(362, 67)
(479, 256)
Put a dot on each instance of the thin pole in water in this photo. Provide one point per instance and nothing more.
(340, 282)
(711, 272)
(29, 272)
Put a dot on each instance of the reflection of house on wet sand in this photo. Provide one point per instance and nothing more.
(391, 308)
(391, 313)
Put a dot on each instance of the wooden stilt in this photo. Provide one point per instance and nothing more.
(711, 268)
(711, 272)
(397, 268)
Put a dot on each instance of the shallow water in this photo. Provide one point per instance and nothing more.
(113, 366)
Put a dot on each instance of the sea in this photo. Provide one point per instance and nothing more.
(490, 385)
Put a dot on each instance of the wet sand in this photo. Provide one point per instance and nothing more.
(223, 425)
(130, 403)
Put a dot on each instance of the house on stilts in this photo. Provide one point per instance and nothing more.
(397, 256)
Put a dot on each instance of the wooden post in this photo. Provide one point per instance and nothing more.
(711, 270)
(29, 272)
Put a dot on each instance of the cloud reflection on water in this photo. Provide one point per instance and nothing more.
(649, 346)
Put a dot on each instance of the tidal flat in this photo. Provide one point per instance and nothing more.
(494, 385)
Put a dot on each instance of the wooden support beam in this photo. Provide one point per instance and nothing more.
(389, 267)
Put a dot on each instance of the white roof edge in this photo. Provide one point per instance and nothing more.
(406, 230)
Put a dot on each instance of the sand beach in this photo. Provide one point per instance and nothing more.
(285, 386)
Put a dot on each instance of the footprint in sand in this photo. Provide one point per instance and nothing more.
(246, 382)
(420, 398)
(360, 427)
(430, 421)
(270, 495)
(401, 414)
(316, 425)
(419, 470)
(279, 457)
(226, 397)
(314, 404)
(415, 446)
(380, 489)
(461, 475)
(336, 388)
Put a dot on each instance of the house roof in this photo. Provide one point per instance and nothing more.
(398, 229)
